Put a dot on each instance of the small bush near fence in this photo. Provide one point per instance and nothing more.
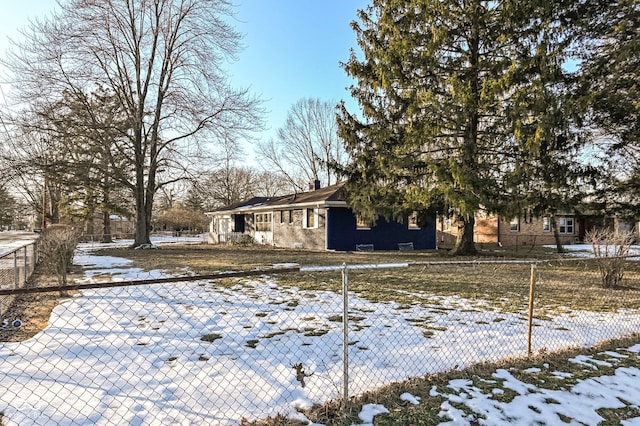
(288, 343)
(57, 247)
(610, 249)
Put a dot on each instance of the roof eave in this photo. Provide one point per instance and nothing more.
(314, 204)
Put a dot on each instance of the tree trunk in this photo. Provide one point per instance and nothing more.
(142, 225)
(90, 226)
(556, 233)
(54, 209)
(464, 242)
(106, 227)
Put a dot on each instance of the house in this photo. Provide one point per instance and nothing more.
(494, 230)
(319, 219)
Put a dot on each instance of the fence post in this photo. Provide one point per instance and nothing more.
(532, 286)
(16, 274)
(345, 338)
(34, 257)
(26, 260)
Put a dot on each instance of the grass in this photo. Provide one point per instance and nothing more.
(212, 337)
(481, 375)
(561, 284)
(538, 371)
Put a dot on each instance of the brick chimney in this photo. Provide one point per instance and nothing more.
(314, 185)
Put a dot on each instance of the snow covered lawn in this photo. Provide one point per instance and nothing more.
(217, 352)
(575, 402)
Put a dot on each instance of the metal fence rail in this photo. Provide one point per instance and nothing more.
(220, 348)
(16, 267)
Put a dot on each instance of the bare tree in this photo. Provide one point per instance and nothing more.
(163, 60)
(169, 195)
(229, 185)
(270, 184)
(179, 218)
(306, 144)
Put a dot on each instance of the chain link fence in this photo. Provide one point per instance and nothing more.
(16, 266)
(238, 347)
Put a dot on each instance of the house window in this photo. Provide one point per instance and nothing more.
(566, 225)
(362, 223)
(290, 216)
(412, 221)
(281, 216)
(263, 222)
(310, 218)
(546, 224)
(514, 225)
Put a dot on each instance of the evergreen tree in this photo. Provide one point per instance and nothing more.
(611, 46)
(86, 134)
(439, 86)
(194, 200)
(610, 42)
(7, 208)
(546, 122)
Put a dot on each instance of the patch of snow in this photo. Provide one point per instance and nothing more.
(146, 247)
(614, 354)
(302, 404)
(415, 400)
(369, 411)
(635, 348)
(562, 374)
(589, 362)
(534, 405)
(586, 250)
(285, 265)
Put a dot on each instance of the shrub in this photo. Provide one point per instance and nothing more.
(242, 240)
(610, 249)
(57, 246)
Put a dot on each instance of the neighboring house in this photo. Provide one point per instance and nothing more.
(492, 230)
(319, 219)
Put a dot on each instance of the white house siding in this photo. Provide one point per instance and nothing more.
(263, 237)
(219, 229)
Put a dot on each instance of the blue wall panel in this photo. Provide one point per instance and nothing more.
(342, 234)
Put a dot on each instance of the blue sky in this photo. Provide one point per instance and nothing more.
(292, 48)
